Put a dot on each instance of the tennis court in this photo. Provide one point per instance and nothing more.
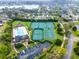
(38, 34)
(46, 32)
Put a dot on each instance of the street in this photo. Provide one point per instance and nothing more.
(69, 47)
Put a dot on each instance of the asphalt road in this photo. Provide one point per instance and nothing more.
(69, 47)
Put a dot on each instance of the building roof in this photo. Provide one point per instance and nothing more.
(1, 23)
(19, 38)
(30, 53)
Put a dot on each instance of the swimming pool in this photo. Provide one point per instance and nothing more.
(48, 30)
(19, 31)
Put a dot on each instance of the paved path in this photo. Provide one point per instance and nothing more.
(69, 47)
(62, 23)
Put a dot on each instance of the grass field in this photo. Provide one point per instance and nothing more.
(26, 24)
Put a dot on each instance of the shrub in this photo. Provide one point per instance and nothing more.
(76, 50)
(58, 42)
(19, 45)
(74, 28)
(77, 43)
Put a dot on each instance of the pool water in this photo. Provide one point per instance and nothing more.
(19, 32)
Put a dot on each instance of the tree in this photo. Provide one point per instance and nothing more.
(76, 50)
(58, 42)
(5, 48)
(4, 51)
(60, 31)
(58, 25)
(74, 28)
(6, 35)
(77, 43)
(65, 20)
(19, 45)
(57, 53)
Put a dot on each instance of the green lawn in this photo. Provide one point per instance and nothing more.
(56, 34)
(31, 44)
(76, 33)
(26, 24)
(76, 23)
(74, 56)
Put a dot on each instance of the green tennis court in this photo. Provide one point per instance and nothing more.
(38, 34)
(46, 32)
